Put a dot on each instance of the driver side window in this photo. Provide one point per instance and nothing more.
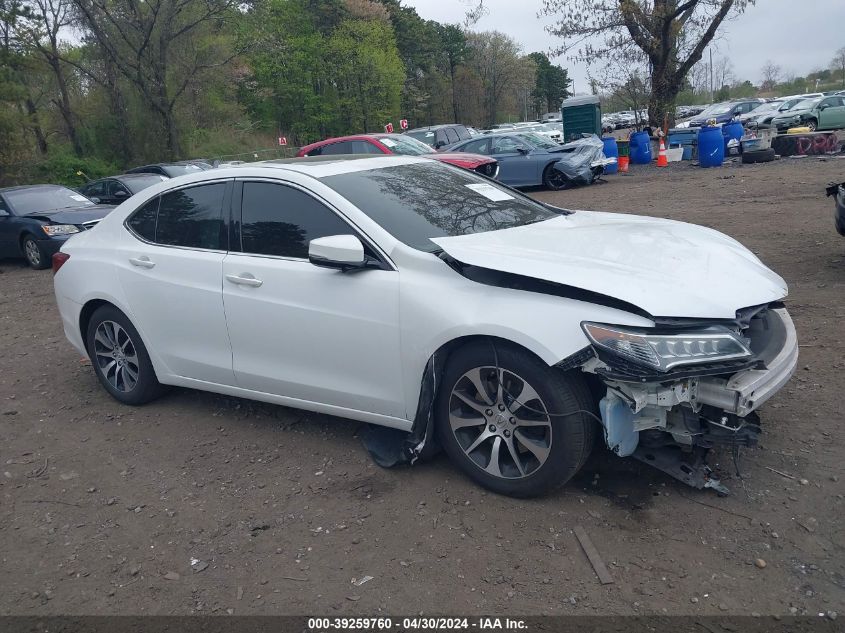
(505, 145)
(281, 220)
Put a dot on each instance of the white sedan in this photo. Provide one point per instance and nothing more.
(411, 294)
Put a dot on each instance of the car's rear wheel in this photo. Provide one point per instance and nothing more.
(119, 357)
(553, 179)
(512, 423)
(35, 257)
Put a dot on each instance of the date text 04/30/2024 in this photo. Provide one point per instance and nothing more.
(415, 624)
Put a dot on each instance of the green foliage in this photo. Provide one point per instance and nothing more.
(62, 167)
(552, 85)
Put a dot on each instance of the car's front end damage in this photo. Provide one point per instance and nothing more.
(675, 392)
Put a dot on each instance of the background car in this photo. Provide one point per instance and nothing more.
(438, 136)
(116, 189)
(36, 220)
(171, 170)
(402, 145)
(725, 112)
(525, 158)
(821, 113)
(765, 114)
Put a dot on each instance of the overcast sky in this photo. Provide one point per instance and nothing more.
(798, 35)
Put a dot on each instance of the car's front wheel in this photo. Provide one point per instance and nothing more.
(33, 253)
(119, 357)
(553, 179)
(512, 423)
(812, 124)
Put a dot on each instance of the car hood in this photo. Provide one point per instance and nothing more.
(788, 114)
(664, 267)
(462, 158)
(75, 215)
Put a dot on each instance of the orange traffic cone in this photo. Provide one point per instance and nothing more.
(662, 161)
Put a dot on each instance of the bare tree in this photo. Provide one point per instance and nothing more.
(671, 34)
(157, 46)
(837, 64)
(496, 58)
(771, 74)
(49, 19)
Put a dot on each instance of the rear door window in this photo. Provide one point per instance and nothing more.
(451, 136)
(478, 146)
(344, 147)
(193, 217)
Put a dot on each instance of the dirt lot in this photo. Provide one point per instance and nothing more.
(102, 506)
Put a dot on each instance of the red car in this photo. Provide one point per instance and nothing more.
(399, 144)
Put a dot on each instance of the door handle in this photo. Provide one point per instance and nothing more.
(142, 262)
(244, 279)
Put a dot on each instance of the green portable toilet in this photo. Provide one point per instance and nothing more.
(581, 115)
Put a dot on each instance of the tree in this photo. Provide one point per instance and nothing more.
(41, 31)
(496, 59)
(455, 53)
(671, 34)
(838, 63)
(552, 85)
(771, 74)
(161, 47)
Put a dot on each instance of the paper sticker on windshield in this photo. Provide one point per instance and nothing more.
(79, 198)
(490, 192)
(388, 141)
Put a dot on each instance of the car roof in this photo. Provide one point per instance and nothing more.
(318, 166)
(22, 187)
(439, 126)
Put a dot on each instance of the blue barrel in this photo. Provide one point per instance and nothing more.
(711, 146)
(611, 150)
(640, 148)
(732, 130)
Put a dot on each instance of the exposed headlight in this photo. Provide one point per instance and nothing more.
(665, 351)
(59, 229)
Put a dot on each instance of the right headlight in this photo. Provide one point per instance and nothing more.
(663, 351)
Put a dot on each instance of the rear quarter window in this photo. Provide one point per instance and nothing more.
(143, 221)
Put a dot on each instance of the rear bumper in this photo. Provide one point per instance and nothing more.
(69, 311)
(747, 390)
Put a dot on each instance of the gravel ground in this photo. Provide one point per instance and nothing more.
(103, 506)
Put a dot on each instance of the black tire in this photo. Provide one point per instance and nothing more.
(553, 180)
(758, 156)
(34, 254)
(813, 125)
(145, 386)
(569, 439)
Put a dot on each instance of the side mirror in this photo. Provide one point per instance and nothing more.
(823, 106)
(345, 252)
(523, 150)
(4, 213)
(95, 200)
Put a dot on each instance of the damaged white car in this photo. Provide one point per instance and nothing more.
(417, 296)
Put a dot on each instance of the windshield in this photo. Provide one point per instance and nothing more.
(181, 170)
(424, 136)
(406, 146)
(25, 201)
(532, 138)
(807, 104)
(716, 109)
(417, 202)
(137, 183)
(788, 105)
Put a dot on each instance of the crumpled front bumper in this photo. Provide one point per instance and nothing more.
(747, 390)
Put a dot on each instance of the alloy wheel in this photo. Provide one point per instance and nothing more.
(500, 422)
(33, 254)
(116, 356)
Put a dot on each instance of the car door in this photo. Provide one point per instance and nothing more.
(8, 231)
(170, 265)
(301, 331)
(515, 168)
(831, 113)
(96, 189)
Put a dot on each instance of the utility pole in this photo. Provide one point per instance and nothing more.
(711, 75)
